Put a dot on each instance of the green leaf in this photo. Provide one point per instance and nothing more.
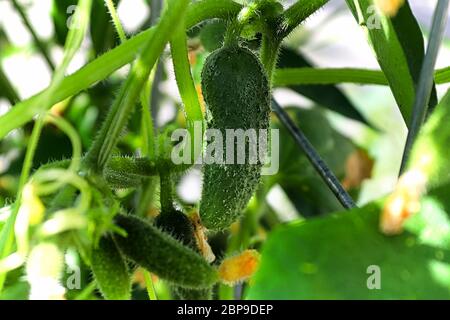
(335, 258)
(399, 48)
(431, 153)
(326, 95)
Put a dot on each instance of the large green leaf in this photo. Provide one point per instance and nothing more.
(335, 257)
(330, 258)
(328, 96)
(399, 47)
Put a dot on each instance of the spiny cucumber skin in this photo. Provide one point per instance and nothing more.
(180, 293)
(178, 225)
(110, 270)
(163, 255)
(237, 95)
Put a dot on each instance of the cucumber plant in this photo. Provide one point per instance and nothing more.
(109, 205)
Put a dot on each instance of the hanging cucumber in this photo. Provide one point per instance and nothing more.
(181, 227)
(163, 255)
(237, 94)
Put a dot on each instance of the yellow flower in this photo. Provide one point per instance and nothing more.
(240, 267)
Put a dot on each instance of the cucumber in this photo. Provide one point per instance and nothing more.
(110, 270)
(163, 255)
(178, 225)
(237, 95)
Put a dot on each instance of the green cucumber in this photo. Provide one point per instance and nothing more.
(110, 270)
(178, 225)
(163, 255)
(237, 95)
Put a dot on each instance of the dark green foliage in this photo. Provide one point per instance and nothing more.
(328, 96)
(237, 94)
(161, 254)
(110, 270)
(178, 225)
(212, 35)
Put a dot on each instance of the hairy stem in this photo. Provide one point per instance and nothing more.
(123, 106)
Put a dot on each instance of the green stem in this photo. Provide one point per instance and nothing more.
(147, 125)
(166, 191)
(7, 235)
(42, 48)
(296, 14)
(116, 20)
(269, 53)
(123, 106)
(73, 42)
(86, 293)
(149, 284)
(103, 66)
(188, 93)
(148, 148)
(298, 76)
(234, 29)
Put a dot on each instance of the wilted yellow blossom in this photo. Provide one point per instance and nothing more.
(240, 267)
(403, 202)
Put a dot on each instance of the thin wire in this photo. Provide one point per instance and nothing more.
(318, 163)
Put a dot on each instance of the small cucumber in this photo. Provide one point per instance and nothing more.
(237, 94)
(178, 225)
(163, 255)
(110, 270)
